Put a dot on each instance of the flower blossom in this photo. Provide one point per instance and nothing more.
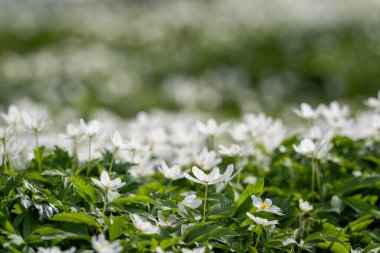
(106, 183)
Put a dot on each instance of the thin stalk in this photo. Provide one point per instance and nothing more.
(38, 155)
(318, 174)
(89, 156)
(312, 175)
(205, 203)
(237, 168)
(4, 165)
(258, 237)
(105, 202)
(212, 142)
(75, 148)
(112, 160)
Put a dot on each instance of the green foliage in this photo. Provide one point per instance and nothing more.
(60, 206)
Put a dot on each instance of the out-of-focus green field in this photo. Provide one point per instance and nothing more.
(219, 56)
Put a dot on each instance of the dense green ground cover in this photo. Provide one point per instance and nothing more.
(319, 192)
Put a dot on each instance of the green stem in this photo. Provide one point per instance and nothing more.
(258, 237)
(112, 160)
(318, 174)
(238, 168)
(75, 148)
(312, 175)
(4, 165)
(212, 142)
(205, 203)
(89, 156)
(105, 202)
(38, 155)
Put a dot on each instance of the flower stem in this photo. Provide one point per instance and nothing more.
(205, 203)
(105, 202)
(89, 156)
(4, 165)
(258, 237)
(212, 142)
(38, 155)
(312, 175)
(112, 160)
(318, 175)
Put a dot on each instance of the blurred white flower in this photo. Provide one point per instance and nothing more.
(336, 204)
(91, 129)
(336, 115)
(265, 206)
(192, 201)
(55, 249)
(306, 112)
(312, 149)
(106, 184)
(172, 173)
(235, 150)
(72, 132)
(201, 178)
(13, 118)
(101, 245)
(207, 159)
(5, 133)
(374, 102)
(117, 141)
(195, 250)
(304, 206)
(171, 221)
(211, 128)
(144, 226)
(36, 122)
(260, 221)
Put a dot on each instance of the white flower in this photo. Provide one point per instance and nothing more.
(159, 250)
(313, 149)
(265, 206)
(91, 129)
(336, 204)
(376, 122)
(260, 221)
(101, 245)
(192, 201)
(201, 178)
(306, 112)
(5, 133)
(172, 173)
(207, 159)
(335, 115)
(117, 141)
(234, 150)
(36, 122)
(144, 226)
(106, 184)
(304, 206)
(195, 250)
(72, 132)
(13, 117)
(211, 128)
(55, 249)
(171, 221)
(374, 102)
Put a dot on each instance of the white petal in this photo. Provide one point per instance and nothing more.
(104, 177)
(199, 174)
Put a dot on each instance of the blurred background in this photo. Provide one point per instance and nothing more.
(224, 57)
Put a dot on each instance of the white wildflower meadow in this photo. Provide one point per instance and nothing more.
(170, 183)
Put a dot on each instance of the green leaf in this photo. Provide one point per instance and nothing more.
(199, 232)
(244, 203)
(85, 190)
(116, 227)
(79, 218)
(135, 199)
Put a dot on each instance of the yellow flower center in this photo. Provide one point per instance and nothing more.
(264, 206)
